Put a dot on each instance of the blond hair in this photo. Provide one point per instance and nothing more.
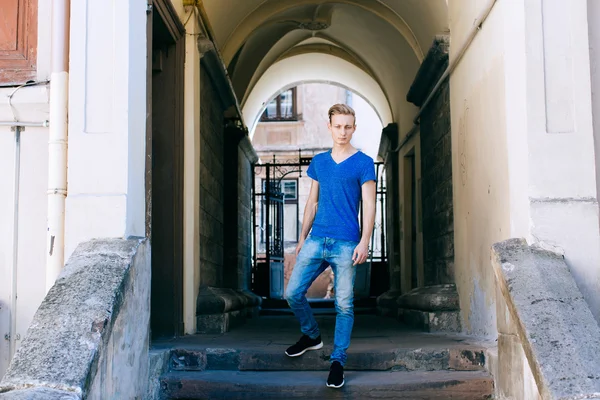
(342, 109)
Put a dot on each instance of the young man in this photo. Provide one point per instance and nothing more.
(340, 178)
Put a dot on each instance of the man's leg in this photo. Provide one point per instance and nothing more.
(309, 265)
(345, 274)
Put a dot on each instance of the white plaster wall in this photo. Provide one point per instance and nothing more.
(22, 233)
(107, 113)
(562, 175)
(594, 44)
(523, 151)
(7, 238)
(26, 244)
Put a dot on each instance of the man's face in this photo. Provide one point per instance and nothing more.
(342, 127)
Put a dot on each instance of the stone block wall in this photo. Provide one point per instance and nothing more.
(436, 190)
(237, 216)
(211, 183)
(244, 261)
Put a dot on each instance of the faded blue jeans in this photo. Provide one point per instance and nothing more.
(314, 257)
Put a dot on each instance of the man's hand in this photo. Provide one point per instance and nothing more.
(361, 252)
(299, 246)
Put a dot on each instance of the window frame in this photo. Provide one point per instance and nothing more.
(278, 117)
(19, 65)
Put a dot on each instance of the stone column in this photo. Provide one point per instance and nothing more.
(386, 303)
(107, 114)
(191, 177)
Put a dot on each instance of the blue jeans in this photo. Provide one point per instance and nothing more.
(314, 257)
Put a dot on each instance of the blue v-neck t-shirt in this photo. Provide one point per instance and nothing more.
(340, 186)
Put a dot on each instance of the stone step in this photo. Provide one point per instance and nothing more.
(311, 385)
(380, 358)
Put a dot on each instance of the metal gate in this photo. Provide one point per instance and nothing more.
(277, 193)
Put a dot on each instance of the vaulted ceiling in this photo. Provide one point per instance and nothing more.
(385, 39)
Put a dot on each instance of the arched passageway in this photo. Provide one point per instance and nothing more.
(380, 50)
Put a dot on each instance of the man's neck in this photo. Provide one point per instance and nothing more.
(342, 149)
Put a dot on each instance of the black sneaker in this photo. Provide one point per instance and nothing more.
(336, 375)
(304, 344)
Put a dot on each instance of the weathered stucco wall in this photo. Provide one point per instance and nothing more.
(548, 340)
(523, 149)
(479, 160)
(90, 336)
(122, 371)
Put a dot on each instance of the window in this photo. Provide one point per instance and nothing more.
(290, 189)
(349, 98)
(282, 107)
(18, 41)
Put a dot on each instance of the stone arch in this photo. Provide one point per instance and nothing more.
(268, 10)
(302, 68)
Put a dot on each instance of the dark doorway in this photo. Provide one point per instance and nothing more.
(166, 73)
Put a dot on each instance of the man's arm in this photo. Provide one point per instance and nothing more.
(361, 252)
(310, 210)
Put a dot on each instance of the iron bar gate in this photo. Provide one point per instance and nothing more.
(269, 200)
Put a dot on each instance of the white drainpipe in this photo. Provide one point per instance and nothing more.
(57, 141)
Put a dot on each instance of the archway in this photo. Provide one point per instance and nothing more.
(314, 67)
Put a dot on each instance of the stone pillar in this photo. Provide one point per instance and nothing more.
(107, 121)
(191, 176)
(386, 303)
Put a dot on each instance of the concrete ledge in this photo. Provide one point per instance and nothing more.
(67, 340)
(387, 303)
(159, 364)
(218, 309)
(38, 393)
(431, 321)
(430, 308)
(431, 298)
(220, 323)
(558, 333)
(212, 300)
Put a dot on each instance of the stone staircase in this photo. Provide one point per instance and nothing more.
(385, 360)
